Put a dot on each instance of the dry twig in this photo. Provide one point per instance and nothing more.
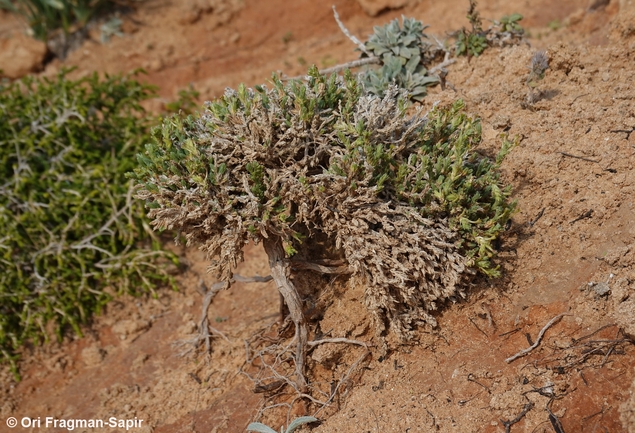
(204, 325)
(508, 424)
(349, 35)
(537, 343)
(304, 265)
(338, 340)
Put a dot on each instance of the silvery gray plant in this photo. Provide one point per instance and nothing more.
(262, 428)
(402, 51)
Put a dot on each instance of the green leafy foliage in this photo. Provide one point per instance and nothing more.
(446, 176)
(45, 16)
(473, 42)
(71, 234)
(510, 23)
(401, 52)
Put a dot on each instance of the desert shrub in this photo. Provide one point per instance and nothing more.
(45, 16)
(71, 233)
(404, 200)
(403, 52)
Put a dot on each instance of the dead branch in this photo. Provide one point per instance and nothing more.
(555, 421)
(586, 214)
(537, 343)
(470, 378)
(579, 157)
(597, 347)
(337, 68)
(254, 279)
(353, 64)
(304, 265)
(509, 424)
(371, 59)
(577, 340)
(447, 61)
(339, 340)
(348, 34)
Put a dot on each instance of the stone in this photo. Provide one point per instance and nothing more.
(127, 327)
(374, 7)
(21, 55)
(93, 355)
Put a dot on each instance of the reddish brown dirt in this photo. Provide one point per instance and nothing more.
(574, 157)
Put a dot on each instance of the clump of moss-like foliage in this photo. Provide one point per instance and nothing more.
(404, 200)
(71, 233)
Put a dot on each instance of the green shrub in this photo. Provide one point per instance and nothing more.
(71, 233)
(45, 16)
(406, 201)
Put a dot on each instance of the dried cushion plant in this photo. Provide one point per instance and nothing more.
(404, 200)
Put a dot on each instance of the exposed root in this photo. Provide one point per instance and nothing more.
(280, 271)
(510, 423)
(205, 330)
(274, 372)
(584, 348)
(586, 352)
(343, 380)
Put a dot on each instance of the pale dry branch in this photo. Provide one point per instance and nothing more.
(337, 68)
(538, 339)
(349, 35)
(254, 279)
(304, 265)
(447, 61)
(338, 340)
(353, 64)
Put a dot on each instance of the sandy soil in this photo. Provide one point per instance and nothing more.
(570, 249)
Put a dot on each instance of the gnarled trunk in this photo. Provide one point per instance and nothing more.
(280, 271)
